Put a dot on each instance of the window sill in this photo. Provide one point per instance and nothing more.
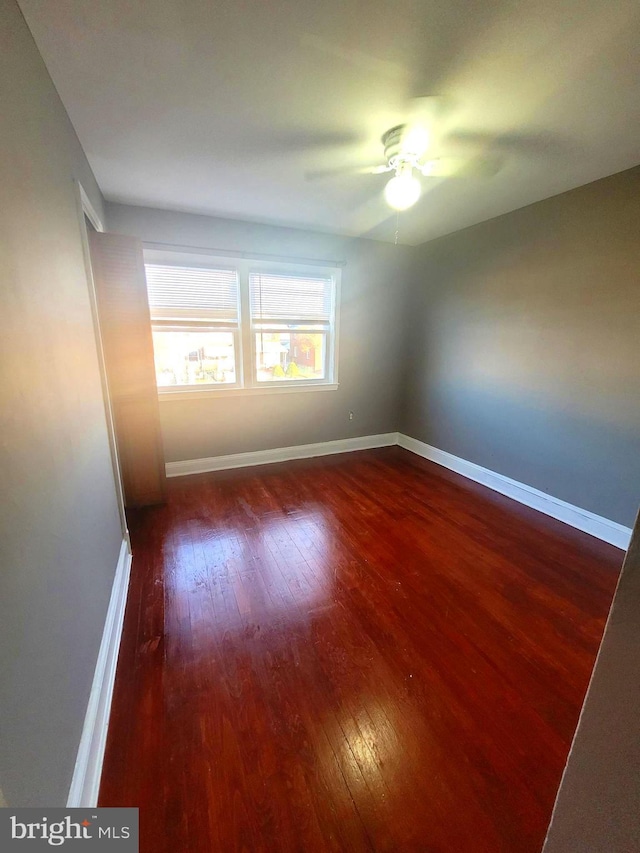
(202, 393)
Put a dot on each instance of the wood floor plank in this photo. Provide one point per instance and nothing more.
(355, 653)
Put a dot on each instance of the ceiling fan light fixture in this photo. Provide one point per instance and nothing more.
(402, 191)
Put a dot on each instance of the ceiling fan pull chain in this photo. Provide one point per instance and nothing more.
(397, 228)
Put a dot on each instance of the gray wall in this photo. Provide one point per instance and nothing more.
(525, 346)
(598, 805)
(59, 526)
(372, 341)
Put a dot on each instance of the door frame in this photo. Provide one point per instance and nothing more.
(85, 208)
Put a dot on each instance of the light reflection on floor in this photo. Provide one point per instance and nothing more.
(272, 566)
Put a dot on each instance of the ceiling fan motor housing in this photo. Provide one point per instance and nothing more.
(392, 141)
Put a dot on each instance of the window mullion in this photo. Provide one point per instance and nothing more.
(246, 347)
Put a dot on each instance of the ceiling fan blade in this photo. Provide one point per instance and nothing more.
(442, 167)
(350, 55)
(426, 109)
(285, 144)
(461, 167)
(533, 144)
(421, 123)
(376, 170)
(323, 174)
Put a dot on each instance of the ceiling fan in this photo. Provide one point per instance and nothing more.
(405, 147)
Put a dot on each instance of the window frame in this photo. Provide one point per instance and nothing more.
(244, 333)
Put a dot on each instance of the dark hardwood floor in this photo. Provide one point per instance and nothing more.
(360, 652)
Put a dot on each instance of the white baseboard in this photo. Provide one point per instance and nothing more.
(279, 454)
(582, 519)
(85, 784)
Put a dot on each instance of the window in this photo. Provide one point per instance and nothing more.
(291, 319)
(195, 324)
(225, 325)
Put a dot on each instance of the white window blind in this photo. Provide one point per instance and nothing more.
(192, 293)
(290, 298)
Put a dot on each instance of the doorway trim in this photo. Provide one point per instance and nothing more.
(86, 208)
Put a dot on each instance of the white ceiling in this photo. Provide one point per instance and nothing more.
(222, 107)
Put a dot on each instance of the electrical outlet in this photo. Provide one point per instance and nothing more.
(350, 416)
